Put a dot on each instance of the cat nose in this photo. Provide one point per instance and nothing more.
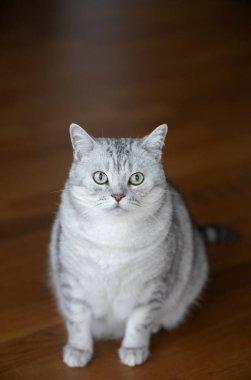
(118, 197)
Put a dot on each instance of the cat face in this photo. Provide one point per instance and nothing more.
(117, 175)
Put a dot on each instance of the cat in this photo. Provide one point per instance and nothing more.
(125, 258)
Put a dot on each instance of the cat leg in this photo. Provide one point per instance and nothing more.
(135, 346)
(79, 348)
(174, 317)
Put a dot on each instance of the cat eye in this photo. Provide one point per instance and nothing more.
(136, 178)
(100, 178)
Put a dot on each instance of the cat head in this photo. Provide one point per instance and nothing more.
(117, 175)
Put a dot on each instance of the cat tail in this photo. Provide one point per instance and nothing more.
(214, 233)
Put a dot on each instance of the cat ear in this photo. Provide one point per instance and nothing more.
(81, 141)
(155, 141)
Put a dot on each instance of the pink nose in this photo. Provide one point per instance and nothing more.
(118, 197)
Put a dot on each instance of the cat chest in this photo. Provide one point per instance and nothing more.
(111, 271)
(111, 290)
(110, 293)
(107, 236)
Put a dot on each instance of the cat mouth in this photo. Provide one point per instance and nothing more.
(118, 208)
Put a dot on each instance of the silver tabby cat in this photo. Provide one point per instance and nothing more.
(125, 258)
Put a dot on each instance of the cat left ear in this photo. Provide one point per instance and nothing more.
(155, 141)
(82, 142)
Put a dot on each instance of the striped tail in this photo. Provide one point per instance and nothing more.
(214, 233)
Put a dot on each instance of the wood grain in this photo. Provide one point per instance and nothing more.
(121, 68)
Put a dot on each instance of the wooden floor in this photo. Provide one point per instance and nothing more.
(121, 68)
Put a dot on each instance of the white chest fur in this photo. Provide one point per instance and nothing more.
(112, 259)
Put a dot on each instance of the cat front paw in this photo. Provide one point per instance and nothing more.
(133, 356)
(76, 358)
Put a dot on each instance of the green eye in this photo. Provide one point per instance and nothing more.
(136, 178)
(100, 178)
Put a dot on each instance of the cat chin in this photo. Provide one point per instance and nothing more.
(118, 209)
(114, 209)
(121, 210)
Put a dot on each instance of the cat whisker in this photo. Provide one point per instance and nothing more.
(134, 203)
(56, 191)
(99, 203)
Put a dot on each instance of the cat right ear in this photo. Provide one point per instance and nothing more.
(82, 142)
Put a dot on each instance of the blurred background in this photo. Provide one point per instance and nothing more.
(121, 68)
